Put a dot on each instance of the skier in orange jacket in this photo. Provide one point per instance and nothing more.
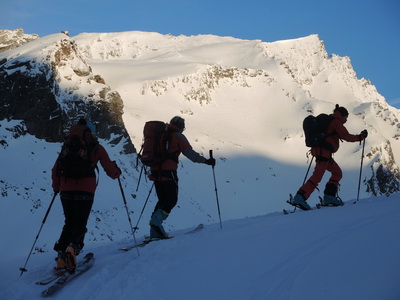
(325, 162)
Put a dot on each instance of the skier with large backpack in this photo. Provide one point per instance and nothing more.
(74, 176)
(163, 143)
(323, 134)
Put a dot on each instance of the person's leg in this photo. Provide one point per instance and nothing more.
(167, 193)
(83, 206)
(332, 185)
(308, 188)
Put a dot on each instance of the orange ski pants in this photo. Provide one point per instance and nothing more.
(322, 165)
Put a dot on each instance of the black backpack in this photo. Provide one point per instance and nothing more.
(74, 160)
(315, 130)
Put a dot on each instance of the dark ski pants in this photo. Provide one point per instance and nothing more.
(322, 165)
(77, 206)
(167, 194)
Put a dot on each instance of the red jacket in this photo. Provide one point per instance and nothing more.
(86, 184)
(336, 132)
(178, 144)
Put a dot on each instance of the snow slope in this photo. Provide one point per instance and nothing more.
(347, 253)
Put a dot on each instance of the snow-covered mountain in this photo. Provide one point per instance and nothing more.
(245, 99)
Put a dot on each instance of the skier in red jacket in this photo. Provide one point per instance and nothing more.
(165, 176)
(77, 194)
(325, 162)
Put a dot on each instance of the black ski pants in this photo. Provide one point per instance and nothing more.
(167, 194)
(77, 206)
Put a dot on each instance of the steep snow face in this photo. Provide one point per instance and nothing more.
(311, 66)
(249, 86)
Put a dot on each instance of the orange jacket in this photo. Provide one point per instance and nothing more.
(336, 132)
(86, 184)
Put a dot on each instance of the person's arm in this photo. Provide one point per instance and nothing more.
(109, 166)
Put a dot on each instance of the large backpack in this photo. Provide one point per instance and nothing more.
(155, 143)
(74, 160)
(315, 130)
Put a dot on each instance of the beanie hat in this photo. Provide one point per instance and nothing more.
(342, 110)
(178, 122)
(91, 126)
(88, 124)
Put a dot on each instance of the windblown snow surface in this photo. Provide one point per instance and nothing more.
(348, 252)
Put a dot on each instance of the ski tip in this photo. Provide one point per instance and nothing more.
(89, 255)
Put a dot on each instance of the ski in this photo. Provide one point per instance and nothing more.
(57, 274)
(148, 240)
(286, 211)
(198, 228)
(50, 278)
(66, 277)
(318, 205)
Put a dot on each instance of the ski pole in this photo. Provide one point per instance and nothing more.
(308, 170)
(304, 181)
(23, 269)
(359, 178)
(144, 206)
(140, 177)
(127, 212)
(216, 191)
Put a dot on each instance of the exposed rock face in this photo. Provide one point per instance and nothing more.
(50, 93)
(385, 179)
(10, 39)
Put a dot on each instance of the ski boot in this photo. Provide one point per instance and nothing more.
(156, 229)
(299, 201)
(70, 259)
(60, 261)
(330, 200)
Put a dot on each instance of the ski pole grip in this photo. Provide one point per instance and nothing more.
(211, 154)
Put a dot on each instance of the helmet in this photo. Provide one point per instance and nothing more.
(178, 122)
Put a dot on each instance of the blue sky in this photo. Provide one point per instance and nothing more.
(368, 31)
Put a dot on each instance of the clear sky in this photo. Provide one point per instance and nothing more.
(368, 31)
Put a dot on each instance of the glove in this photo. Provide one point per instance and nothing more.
(363, 134)
(118, 171)
(210, 162)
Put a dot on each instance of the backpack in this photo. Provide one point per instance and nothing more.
(155, 143)
(74, 160)
(315, 130)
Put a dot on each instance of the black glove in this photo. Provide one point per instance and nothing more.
(118, 171)
(363, 134)
(210, 162)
